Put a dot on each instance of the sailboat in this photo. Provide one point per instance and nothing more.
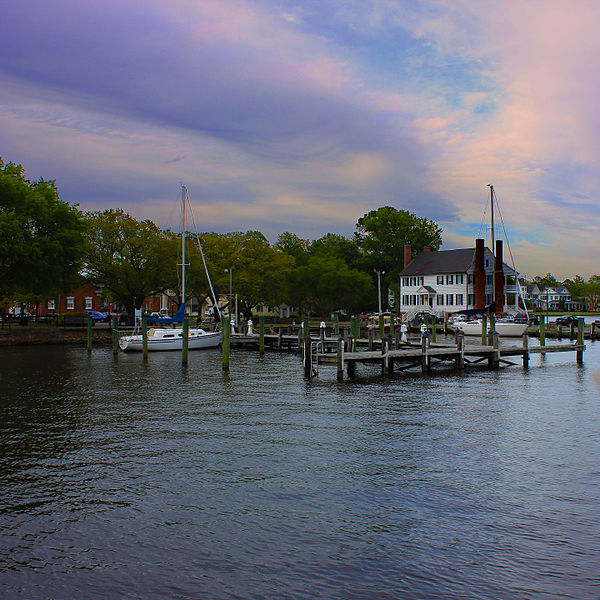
(505, 326)
(171, 338)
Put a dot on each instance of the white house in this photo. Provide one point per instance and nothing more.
(443, 282)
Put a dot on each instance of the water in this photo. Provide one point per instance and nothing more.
(128, 480)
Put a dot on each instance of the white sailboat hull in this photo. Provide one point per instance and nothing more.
(170, 339)
(508, 329)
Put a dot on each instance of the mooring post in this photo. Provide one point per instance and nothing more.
(307, 358)
(90, 324)
(144, 338)
(525, 350)
(371, 337)
(384, 357)
(425, 364)
(261, 335)
(572, 336)
(225, 342)
(559, 332)
(484, 321)
(185, 333)
(542, 330)
(494, 341)
(340, 358)
(433, 319)
(336, 324)
(322, 327)
(381, 326)
(306, 326)
(115, 335)
(300, 336)
(280, 338)
(459, 361)
(580, 329)
(350, 343)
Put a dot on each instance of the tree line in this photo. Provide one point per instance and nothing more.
(49, 247)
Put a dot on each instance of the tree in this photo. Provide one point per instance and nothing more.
(294, 246)
(382, 234)
(131, 259)
(334, 245)
(548, 280)
(41, 237)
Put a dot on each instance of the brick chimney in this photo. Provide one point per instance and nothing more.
(426, 249)
(479, 274)
(407, 255)
(499, 278)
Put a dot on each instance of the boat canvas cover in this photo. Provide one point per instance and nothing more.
(475, 312)
(178, 318)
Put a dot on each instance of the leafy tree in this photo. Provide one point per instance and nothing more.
(325, 284)
(294, 246)
(338, 246)
(382, 234)
(548, 280)
(41, 237)
(130, 259)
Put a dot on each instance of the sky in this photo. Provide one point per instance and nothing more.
(302, 116)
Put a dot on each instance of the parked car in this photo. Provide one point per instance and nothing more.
(567, 320)
(97, 315)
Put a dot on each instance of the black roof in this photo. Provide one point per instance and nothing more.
(442, 261)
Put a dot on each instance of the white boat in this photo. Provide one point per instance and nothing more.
(171, 338)
(504, 328)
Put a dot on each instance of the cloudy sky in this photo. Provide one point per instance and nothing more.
(303, 115)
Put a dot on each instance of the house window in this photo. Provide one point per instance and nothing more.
(89, 303)
(470, 278)
(471, 299)
(440, 280)
(449, 299)
(413, 299)
(422, 280)
(449, 279)
(70, 302)
(405, 281)
(459, 299)
(460, 279)
(488, 280)
(440, 300)
(51, 304)
(487, 262)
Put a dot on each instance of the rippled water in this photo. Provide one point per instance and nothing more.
(128, 480)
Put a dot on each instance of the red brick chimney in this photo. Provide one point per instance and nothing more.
(407, 255)
(499, 278)
(479, 274)
(426, 249)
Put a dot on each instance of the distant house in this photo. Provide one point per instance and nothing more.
(557, 298)
(85, 297)
(443, 282)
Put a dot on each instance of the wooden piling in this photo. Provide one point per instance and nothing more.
(494, 358)
(580, 329)
(307, 358)
(115, 335)
(433, 320)
(225, 342)
(381, 326)
(371, 337)
(90, 324)
(185, 338)
(144, 338)
(340, 358)
(525, 350)
(280, 338)
(336, 324)
(306, 326)
(261, 336)
(542, 330)
(425, 361)
(459, 361)
(484, 321)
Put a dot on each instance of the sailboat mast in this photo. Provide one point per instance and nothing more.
(493, 249)
(183, 200)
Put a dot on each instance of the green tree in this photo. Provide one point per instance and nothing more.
(548, 280)
(294, 246)
(41, 237)
(382, 234)
(129, 258)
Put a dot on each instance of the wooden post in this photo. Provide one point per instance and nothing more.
(384, 360)
(433, 319)
(559, 332)
(225, 342)
(306, 326)
(90, 324)
(483, 329)
(261, 335)
(525, 350)
(340, 358)
(336, 324)
(280, 338)
(144, 338)
(542, 330)
(580, 329)
(381, 326)
(371, 338)
(425, 364)
(115, 335)
(572, 336)
(494, 341)
(350, 343)
(355, 328)
(185, 338)
(300, 340)
(307, 358)
(459, 361)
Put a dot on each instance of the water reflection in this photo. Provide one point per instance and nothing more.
(125, 478)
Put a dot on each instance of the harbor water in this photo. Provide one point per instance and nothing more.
(129, 479)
